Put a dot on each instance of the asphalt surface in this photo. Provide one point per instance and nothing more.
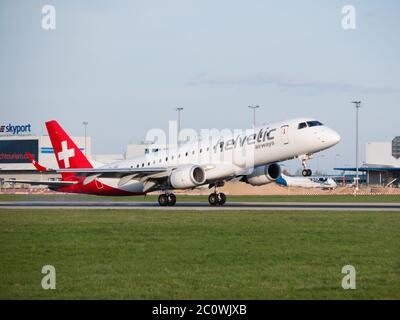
(200, 206)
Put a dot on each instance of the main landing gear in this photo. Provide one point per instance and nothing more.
(166, 199)
(217, 199)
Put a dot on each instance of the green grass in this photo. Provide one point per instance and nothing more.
(285, 198)
(113, 254)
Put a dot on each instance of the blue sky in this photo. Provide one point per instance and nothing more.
(124, 66)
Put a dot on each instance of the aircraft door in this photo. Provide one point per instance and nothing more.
(285, 134)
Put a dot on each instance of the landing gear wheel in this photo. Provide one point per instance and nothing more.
(171, 199)
(221, 199)
(167, 199)
(217, 199)
(213, 199)
(163, 200)
(306, 173)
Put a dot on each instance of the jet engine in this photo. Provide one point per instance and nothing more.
(187, 177)
(263, 175)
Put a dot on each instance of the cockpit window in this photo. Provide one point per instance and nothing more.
(302, 125)
(314, 123)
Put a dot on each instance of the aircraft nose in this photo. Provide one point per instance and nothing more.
(333, 137)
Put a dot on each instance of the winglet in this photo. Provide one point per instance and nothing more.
(38, 167)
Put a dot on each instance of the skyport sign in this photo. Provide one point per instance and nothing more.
(15, 130)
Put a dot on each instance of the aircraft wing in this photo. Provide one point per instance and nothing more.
(125, 174)
(42, 183)
(114, 172)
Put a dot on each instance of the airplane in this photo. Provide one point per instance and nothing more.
(251, 157)
(306, 182)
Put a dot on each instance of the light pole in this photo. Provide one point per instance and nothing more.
(335, 159)
(85, 123)
(358, 106)
(254, 114)
(318, 157)
(179, 122)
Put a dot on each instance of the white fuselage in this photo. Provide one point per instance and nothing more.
(307, 182)
(235, 154)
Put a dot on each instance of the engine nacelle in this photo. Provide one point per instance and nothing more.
(264, 175)
(187, 177)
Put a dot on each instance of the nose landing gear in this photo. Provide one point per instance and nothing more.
(306, 172)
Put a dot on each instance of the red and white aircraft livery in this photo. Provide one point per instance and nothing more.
(251, 157)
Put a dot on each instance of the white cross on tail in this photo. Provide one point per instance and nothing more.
(65, 154)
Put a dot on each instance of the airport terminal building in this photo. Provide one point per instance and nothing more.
(382, 163)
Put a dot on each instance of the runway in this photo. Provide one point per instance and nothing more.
(201, 206)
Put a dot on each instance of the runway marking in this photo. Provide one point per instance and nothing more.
(200, 206)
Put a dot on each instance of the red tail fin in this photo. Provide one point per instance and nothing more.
(37, 165)
(67, 153)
